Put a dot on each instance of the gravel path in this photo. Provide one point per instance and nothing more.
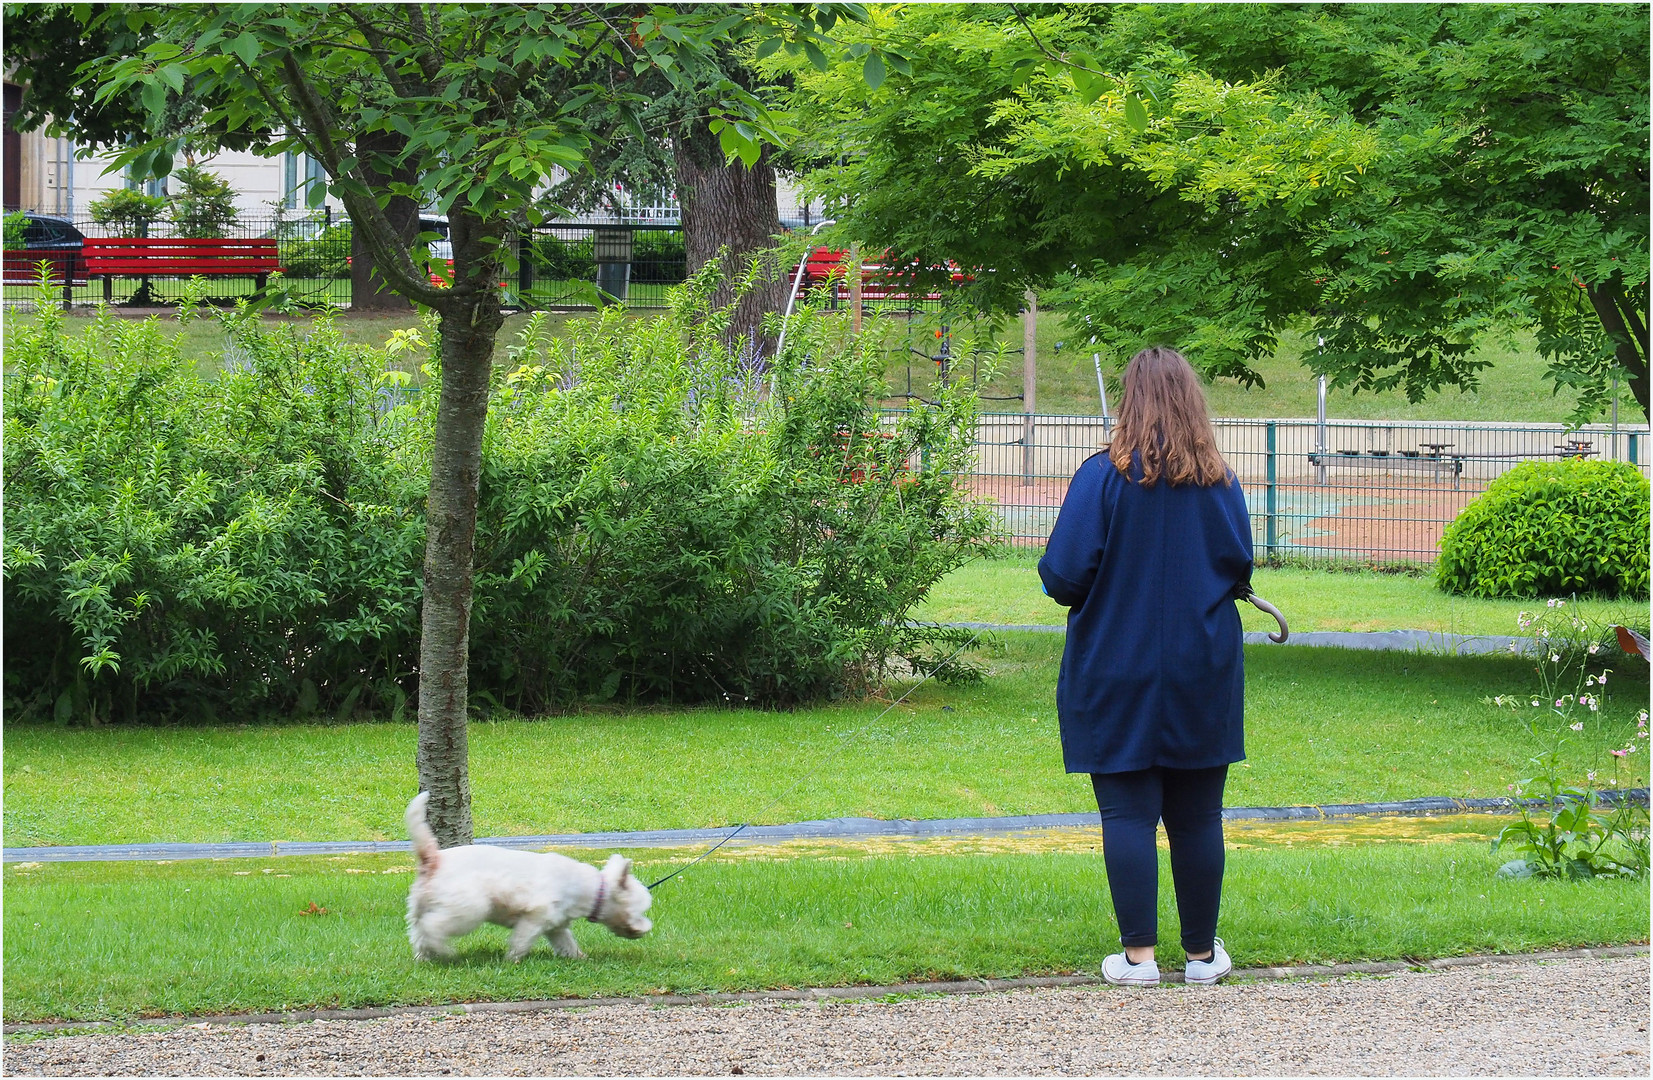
(1568, 1017)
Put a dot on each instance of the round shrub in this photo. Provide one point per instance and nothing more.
(1551, 529)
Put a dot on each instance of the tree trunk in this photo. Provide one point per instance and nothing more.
(1627, 331)
(368, 291)
(470, 322)
(730, 205)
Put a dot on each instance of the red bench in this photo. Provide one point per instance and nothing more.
(878, 282)
(128, 256)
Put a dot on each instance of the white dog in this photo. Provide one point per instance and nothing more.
(458, 889)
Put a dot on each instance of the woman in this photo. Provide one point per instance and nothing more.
(1152, 546)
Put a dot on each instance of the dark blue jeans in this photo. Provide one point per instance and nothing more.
(1190, 802)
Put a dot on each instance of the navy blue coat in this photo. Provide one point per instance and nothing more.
(1153, 673)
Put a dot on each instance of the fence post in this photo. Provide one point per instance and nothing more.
(1269, 529)
(855, 306)
(1635, 459)
(525, 269)
(1320, 425)
(1030, 368)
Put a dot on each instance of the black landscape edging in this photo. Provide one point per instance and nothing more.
(818, 994)
(826, 829)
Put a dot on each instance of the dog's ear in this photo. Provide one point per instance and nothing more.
(625, 868)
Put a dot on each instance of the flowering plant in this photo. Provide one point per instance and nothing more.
(1567, 831)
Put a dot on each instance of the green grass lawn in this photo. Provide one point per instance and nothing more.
(1513, 389)
(1006, 590)
(126, 941)
(1323, 726)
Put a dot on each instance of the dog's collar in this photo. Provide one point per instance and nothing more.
(602, 894)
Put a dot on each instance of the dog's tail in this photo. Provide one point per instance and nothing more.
(425, 850)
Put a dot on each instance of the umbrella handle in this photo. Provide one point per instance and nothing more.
(1263, 605)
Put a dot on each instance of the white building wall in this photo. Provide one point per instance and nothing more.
(55, 181)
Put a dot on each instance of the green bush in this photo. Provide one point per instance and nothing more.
(16, 224)
(178, 548)
(1551, 529)
(324, 256)
(653, 526)
(127, 212)
(204, 206)
(557, 260)
(658, 257)
(657, 530)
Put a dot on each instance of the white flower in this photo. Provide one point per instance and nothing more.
(1578, 726)
(1594, 649)
(1554, 657)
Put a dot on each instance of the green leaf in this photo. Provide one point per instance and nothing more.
(245, 48)
(1136, 115)
(873, 71)
(173, 76)
(153, 96)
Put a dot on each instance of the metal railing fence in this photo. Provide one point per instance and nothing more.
(314, 250)
(1347, 490)
(573, 266)
(562, 265)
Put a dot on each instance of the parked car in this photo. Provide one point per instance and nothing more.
(45, 239)
(45, 233)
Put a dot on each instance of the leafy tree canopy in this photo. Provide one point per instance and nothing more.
(465, 107)
(1406, 177)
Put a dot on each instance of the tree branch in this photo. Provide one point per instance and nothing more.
(1605, 301)
(1052, 55)
(380, 51)
(393, 262)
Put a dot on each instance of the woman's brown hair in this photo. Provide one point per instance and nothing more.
(1162, 420)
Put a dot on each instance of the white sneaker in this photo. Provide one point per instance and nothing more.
(1119, 971)
(1206, 972)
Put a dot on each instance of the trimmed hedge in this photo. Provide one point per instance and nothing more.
(1552, 529)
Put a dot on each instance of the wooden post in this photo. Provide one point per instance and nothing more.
(855, 288)
(1030, 368)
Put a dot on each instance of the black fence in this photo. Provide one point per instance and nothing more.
(571, 266)
(562, 266)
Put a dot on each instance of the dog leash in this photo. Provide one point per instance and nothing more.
(842, 739)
